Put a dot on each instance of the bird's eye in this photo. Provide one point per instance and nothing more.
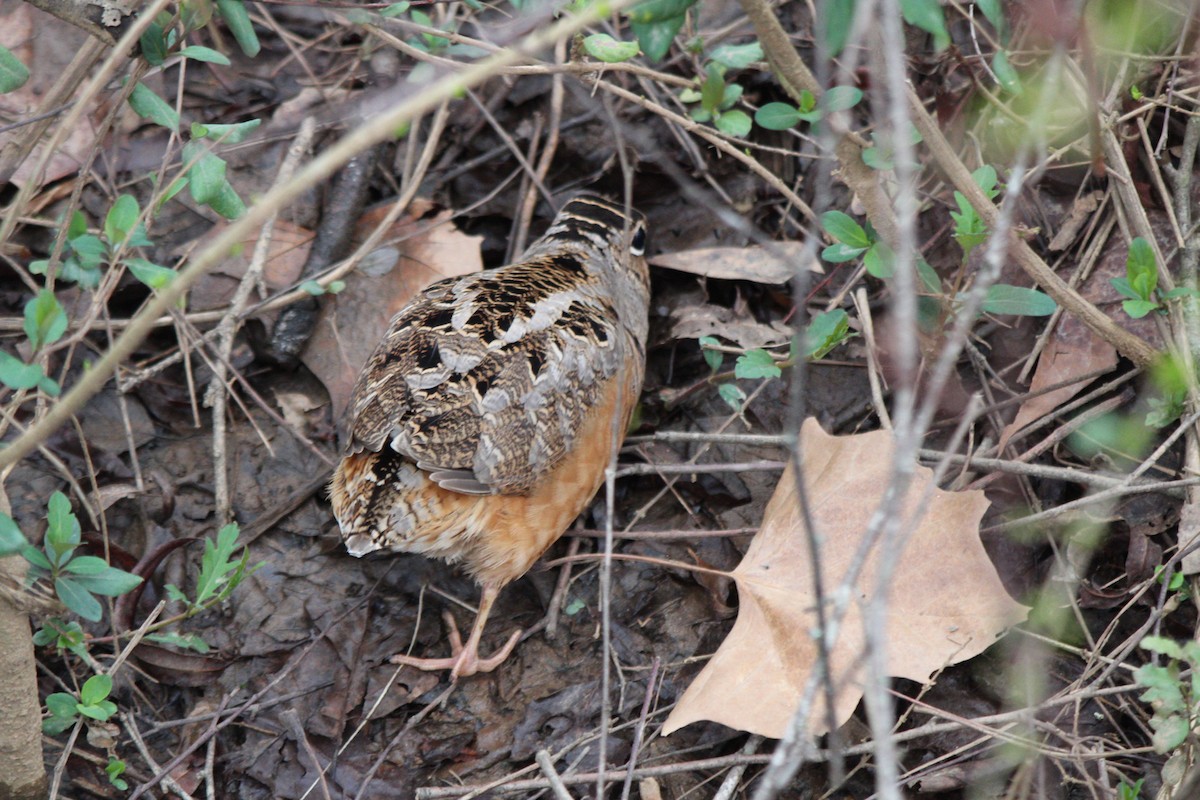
(637, 245)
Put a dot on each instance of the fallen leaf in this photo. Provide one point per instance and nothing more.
(424, 249)
(1074, 351)
(286, 255)
(695, 321)
(777, 264)
(946, 603)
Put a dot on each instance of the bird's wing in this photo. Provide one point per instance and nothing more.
(484, 381)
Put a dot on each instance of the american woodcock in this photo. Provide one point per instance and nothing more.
(483, 422)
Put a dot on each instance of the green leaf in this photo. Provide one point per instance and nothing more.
(112, 582)
(148, 105)
(396, 9)
(1169, 732)
(840, 98)
(756, 363)
(659, 10)
(238, 20)
(227, 134)
(929, 17)
(95, 689)
(56, 725)
(153, 44)
(62, 704)
(1161, 644)
(206, 54)
(1123, 288)
(45, 319)
(11, 538)
(1141, 268)
(121, 219)
(777, 116)
(77, 226)
(187, 641)
(713, 90)
(115, 768)
(215, 566)
(227, 203)
(833, 27)
(1020, 300)
(733, 93)
(843, 228)
(986, 179)
(734, 123)
(992, 11)
(732, 395)
(1008, 78)
(13, 73)
(1137, 309)
(826, 331)
(194, 15)
(605, 48)
(838, 253)
(313, 287)
(36, 558)
(149, 273)
(86, 565)
(100, 711)
(63, 533)
(713, 358)
(656, 37)
(929, 278)
(737, 56)
(89, 249)
(16, 374)
(77, 598)
(879, 261)
(206, 177)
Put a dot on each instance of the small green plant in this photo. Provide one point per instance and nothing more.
(1133, 791)
(881, 155)
(852, 241)
(92, 702)
(45, 324)
(220, 572)
(716, 97)
(1140, 284)
(77, 579)
(115, 768)
(825, 332)
(1174, 699)
(782, 116)
(970, 231)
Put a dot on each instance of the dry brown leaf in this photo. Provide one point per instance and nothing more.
(946, 603)
(1072, 352)
(286, 256)
(45, 45)
(733, 325)
(762, 265)
(353, 321)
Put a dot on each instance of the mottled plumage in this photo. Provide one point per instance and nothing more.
(484, 420)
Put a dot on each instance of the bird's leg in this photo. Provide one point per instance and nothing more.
(464, 659)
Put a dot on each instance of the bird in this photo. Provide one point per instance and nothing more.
(484, 420)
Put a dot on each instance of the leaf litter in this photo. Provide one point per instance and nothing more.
(945, 605)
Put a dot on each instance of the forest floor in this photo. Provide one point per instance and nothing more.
(1070, 417)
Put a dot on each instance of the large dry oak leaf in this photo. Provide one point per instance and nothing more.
(946, 603)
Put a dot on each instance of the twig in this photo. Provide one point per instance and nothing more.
(556, 785)
(216, 397)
